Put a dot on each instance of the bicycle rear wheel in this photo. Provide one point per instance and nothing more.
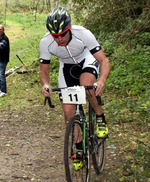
(98, 146)
(83, 174)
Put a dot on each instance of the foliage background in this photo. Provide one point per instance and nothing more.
(123, 30)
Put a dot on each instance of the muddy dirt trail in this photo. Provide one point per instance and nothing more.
(31, 147)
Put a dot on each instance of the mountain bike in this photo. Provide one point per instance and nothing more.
(79, 128)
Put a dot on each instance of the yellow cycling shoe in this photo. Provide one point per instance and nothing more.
(77, 164)
(102, 129)
(78, 160)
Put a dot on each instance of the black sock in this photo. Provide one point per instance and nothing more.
(101, 116)
(79, 145)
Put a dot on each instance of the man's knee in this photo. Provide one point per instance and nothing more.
(67, 116)
(69, 111)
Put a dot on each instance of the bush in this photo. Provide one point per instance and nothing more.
(129, 16)
(130, 70)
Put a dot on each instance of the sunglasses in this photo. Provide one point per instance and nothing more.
(60, 35)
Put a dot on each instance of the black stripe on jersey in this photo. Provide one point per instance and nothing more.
(44, 61)
(96, 49)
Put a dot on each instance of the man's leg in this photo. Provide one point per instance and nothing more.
(69, 110)
(3, 86)
(89, 79)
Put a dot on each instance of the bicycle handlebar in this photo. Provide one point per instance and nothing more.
(59, 89)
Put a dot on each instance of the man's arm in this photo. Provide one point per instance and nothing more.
(104, 71)
(45, 79)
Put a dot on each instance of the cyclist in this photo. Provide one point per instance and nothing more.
(79, 55)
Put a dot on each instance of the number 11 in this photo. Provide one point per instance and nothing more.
(76, 97)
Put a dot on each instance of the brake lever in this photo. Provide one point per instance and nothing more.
(49, 99)
(100, 100)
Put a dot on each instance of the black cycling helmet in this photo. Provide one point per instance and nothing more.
(58, 20)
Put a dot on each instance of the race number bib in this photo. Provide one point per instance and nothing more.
(74, 95)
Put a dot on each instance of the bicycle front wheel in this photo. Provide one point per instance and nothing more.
(75, 132)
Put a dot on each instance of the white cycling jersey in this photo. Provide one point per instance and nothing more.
(80, 48)
(82, 42)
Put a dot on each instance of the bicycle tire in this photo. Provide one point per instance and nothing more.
(98, 146)
(72, 175)
(99, 156)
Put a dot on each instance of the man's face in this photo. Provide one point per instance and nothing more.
(62, 39)
(1, 30)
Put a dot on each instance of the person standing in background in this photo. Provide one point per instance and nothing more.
(4, 59)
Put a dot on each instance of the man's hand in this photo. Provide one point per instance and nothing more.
(100, 88)
(46, 90)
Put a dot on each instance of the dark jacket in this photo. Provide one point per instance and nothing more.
(4, 48)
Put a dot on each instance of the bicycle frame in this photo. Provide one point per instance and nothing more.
(83, 122)
(88, 130)
(90, 142)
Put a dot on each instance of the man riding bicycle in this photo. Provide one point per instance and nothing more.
(80, 55)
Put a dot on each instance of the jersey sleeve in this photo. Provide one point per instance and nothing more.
(90, 41)
(45, 55)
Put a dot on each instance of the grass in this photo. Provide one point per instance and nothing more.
(24, 34)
